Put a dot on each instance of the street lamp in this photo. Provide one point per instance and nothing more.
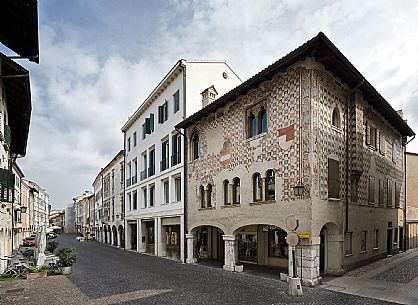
(299, 189)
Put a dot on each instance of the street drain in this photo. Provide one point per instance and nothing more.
(15, 290)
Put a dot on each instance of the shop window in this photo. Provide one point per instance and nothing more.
(202, 196)
(195, 146)
(277, 243)
(271, 186)
(336, 119)
(236, 191)
(257, 187)
(209, 196)
(371, 189)
(226, 192)
(333, 178)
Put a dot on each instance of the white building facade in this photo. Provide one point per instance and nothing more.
(40, 203)
(154, 156)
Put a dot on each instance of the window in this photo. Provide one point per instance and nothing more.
(397, 194)
(151, 168)
(202, 197)
(336, 120)
(177, 188)
(257, 187)
(381, 192)
(376, 238)
(394, 151)
(382, 143)
(166, 190)
(371, 135)
(148, 126)
(128, 181)
(134, 138)
(176, 149)
(134, 200)
(135, 175)
(371, 189)
(163, 112)
(164, 155)
(226, 192)
(252, 125)
(209, 196)
(348, 243)
(363, 247)
(262, 121)
(271, 187)
(144, 133)
(129, 202)
(152, 195)
(129, 144)
(236, 191)
(195, 146)
(176, 98)
(390, 197)
(333, 178)
(145, 197)
(395, 236)
(144, 164)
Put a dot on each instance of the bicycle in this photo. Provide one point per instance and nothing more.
(15, 270)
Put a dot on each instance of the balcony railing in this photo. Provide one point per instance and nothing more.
(164, 164)
(143, 175)
(175, 159)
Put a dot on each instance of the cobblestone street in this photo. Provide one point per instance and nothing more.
(107, 275)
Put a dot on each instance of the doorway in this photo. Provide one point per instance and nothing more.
(322, 235)
(389, 243)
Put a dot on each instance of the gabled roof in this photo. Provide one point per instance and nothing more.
(333, 60)
(17, 87)
(19, 27)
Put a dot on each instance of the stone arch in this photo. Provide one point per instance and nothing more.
(115, 235)
(330, 249)
(121, 233)
(218, 225)
(261, 221)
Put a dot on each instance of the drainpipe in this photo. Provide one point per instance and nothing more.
(405, 230)
(347, 148)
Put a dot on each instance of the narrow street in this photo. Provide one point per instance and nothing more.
(107, 275)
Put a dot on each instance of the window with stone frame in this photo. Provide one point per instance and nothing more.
(270, 185)
(202, 197)
(257, 119)
(381, 192)
(382, 142)
(348, 243)
(236, 196)
(336, 119)
(195, 147)
(333, 178)
(363, 246)
(257, 187)
(226, 192)
(209, 196)
(371, 189)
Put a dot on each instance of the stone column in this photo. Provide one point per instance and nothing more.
(118, 237)
(128, 244)
(231, 252)
(230, 192)
(157, 221)
(263, 189)
(112, 237)
(142, 231)
(190, 249)
(310, 261)
(182, 238)
(138, 235)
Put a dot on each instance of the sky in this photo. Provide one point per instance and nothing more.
(99, 60)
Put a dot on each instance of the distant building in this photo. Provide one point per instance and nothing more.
(412, 198)
(57, 220)
(69, 223)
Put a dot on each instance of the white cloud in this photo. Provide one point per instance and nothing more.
(84, 89)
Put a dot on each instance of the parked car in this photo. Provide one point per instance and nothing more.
(29, 241)
(51, 235)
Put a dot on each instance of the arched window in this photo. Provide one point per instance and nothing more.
(236, 191)
(271, 187)
(336, 120)
(209, 196)
(257, 187)
(252, 125)
(202, 196)
(262, 121)
(226, 192)
(195, 146)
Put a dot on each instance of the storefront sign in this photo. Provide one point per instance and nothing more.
(304, 234)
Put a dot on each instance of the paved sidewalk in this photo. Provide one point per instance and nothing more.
(394, 279)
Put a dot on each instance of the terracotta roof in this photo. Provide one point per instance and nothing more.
(327, 53)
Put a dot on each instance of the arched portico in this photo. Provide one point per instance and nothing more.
(114, 236)
(121, 239)
(205, 243)
(331, 250)
(105, 240)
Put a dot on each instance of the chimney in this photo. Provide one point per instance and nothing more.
(208, 96)
(400, 112)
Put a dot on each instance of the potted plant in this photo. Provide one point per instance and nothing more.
(67, 258)
(51, 246)
(35, 272)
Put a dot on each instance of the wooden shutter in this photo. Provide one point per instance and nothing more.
(160, 114)
(367, 133)
(397, 194)
(333, 178)
(147, 126)
(151, 118)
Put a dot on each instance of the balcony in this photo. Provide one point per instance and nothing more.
(143, 175)
(151, 171)
(175, 159)
(164, 164)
